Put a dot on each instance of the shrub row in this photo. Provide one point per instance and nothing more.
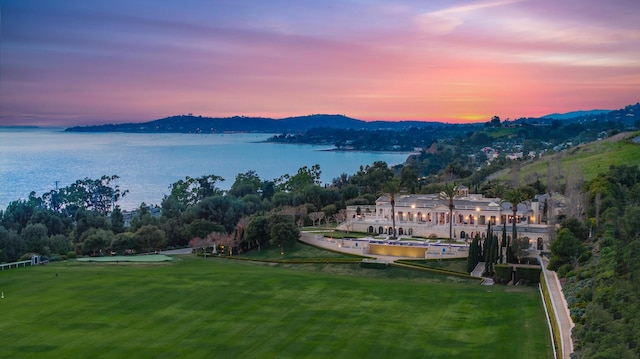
(503, 272)
(552, 316)
(373, 264)
(408, 264)
(528, 275)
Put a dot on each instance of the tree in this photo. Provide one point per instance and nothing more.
(59, 244)
(491, 254)
(35, 237)
(117, 220)
(305, 177)
(576, 227)
(449, 193)
(98, 195)
(150, 237)
(372, 179)
(18, 214)
(143, 216)
(283, 234)
(495, 121)
(96, 239)
(257, 230)
(567, 248)
(11, 245)
(201, 228)
(223, 210)
(86, 219)
(515, 197)
(316, 217)
(245, 183)
(408, 179)
(519, 248)
(192, 190)
(56, 222)
(503, 243)
(472, 258)
(123, 242)
(392, 188)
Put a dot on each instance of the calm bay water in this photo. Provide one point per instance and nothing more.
(34, 159)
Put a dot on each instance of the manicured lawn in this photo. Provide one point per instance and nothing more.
(296, 250)
(140, 258)
(205, 308)
(456, 265)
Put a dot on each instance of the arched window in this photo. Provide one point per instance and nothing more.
(380, 230)
(370, 230)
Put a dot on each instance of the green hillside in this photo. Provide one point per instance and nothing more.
(590, 159)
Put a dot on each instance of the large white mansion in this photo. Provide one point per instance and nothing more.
(427, 215)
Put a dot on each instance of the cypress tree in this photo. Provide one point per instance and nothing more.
(504, 235)
(472, 259)
(487, 240)
(491, 254)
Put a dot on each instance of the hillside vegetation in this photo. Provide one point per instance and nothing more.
(589, 159)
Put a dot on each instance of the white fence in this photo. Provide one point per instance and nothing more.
(33, 261)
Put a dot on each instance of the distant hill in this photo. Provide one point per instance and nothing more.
(589, 159)
(574, 114)
(199, 124)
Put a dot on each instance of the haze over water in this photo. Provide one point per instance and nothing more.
(34, 159)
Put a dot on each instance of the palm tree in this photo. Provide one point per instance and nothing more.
(515, 197)
(449, 193)
(392, 188)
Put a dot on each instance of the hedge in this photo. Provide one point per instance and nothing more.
(528, 275)
(503, 272)
(373, 264)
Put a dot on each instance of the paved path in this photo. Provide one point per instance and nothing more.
(560, 307)
(477, 272)
(177, 251)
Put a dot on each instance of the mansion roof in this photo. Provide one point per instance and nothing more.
(471, 202)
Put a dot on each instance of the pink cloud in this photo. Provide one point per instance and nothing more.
(467, 60)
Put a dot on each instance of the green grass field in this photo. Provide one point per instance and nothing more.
(139, 258)
(197, 307)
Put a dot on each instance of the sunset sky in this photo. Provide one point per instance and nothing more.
(86, 62)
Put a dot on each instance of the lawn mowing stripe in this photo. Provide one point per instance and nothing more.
(211, 307)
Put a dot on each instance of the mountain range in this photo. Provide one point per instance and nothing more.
(199, 124)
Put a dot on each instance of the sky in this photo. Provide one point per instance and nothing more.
(76, 62)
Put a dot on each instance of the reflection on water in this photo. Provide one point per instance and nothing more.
(34, 159)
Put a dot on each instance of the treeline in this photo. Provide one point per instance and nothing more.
(599, 261)
(403, 139)
(85, 219)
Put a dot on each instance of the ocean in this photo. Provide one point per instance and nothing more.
(36, 159)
